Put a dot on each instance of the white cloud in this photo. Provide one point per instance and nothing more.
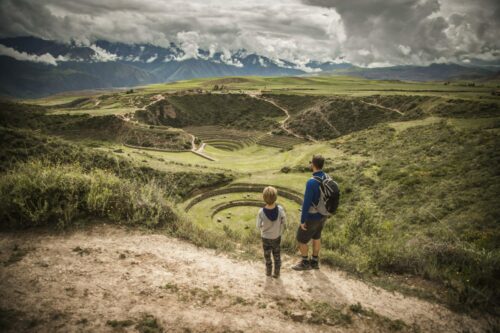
(23, 56)
(153, 58)
(226, 58)
(404, 49)
(363, 52)
(101, 55)
(362, 32)
(188, 42)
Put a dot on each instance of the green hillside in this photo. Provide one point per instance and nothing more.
(417, 164)
(235, 110)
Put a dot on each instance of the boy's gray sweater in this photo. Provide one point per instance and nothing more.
(271, 229)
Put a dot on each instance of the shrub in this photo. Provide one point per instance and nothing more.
(37, 193)
(286, 169)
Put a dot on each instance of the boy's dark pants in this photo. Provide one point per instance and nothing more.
(272, 246)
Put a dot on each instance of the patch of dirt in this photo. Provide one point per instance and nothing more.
(104, 277)
(227, 81)
(169, 111)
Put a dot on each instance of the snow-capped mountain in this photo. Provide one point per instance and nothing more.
(35, 67)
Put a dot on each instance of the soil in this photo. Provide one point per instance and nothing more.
(108, 278)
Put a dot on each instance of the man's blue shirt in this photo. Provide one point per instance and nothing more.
(311, 196)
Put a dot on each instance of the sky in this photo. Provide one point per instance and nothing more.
(370, 33)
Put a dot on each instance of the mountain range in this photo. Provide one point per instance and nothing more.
(33, 67)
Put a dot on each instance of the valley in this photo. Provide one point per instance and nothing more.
(183, 164)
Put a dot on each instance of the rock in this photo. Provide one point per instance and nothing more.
(219, 219)
(122, 256)
(228, 217)
(297, 316)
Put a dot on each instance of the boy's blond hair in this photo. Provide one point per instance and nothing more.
(270, 194)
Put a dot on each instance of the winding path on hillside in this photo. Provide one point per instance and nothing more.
(80, 280)
(282, 123)
(200, 150)
(383, 107)
(197, 151)
(156, 99)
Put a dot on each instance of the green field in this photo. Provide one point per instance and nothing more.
(417, 164)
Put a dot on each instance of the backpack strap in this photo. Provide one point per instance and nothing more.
(318, 179)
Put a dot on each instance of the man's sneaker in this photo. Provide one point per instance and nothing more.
(302, 265)
(276, 273)
(314, 264)
(269, 270)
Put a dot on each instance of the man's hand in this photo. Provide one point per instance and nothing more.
(303, 226)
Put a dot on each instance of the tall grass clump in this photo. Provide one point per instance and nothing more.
(37, 193)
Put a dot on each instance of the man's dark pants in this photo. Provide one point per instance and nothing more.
(313, 231)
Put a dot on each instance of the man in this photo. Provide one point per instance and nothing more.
(311, 221)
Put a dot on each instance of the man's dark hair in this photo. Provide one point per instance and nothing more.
(318, 161)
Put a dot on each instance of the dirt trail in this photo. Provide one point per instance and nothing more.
(282, 123)
(383, 107)
(80, 280)
(200, 150)
(155, 98)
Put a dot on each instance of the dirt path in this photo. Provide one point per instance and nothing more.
(383, 107)
(81, 280)
(200, 150)
(193, 145)
(282, 123)
(156, 99)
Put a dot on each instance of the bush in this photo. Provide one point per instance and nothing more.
(286, 169)
(37, 193)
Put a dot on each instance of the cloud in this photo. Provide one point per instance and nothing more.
(153, 58)
(417, 31)
(280, 29)
(23, 56)
(365, 32)
(101, 55)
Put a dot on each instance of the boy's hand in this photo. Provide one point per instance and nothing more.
(303, 226)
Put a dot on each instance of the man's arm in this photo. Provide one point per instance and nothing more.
(307, 201)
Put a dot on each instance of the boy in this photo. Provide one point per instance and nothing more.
(271, 221)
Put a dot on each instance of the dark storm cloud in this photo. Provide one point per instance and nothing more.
(371, 32)
(418, 31)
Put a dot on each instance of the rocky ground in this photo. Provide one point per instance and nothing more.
(105, 278)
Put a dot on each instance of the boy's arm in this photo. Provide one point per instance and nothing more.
(307, 201)
(258, 224)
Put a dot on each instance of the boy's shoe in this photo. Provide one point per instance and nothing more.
(276, 273)
(269, 270)
(314, 264)
(302, 265)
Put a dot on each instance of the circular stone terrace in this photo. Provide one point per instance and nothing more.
(235, 206)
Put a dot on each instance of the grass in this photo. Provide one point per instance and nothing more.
(332, 85)
(148, 324)
(240, 220)
(233, 110)
(418, 188)
(38, 194)
(25, 145)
